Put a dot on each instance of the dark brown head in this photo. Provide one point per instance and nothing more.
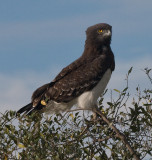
(99, 34)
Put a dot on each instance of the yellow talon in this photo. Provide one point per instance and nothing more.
(43, 102)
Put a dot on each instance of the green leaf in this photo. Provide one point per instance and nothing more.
(147, 104)
(117, 90)
(86, 151)
(125, 89)
(110, 104)
(21, 145)
(130, 70)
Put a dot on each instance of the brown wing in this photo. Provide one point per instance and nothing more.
(83, 78)
(39, 93)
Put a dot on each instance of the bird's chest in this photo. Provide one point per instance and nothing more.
(89, 99)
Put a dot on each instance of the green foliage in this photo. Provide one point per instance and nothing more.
(77, 136)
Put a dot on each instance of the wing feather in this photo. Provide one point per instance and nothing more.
(80, 76)
(83, 78)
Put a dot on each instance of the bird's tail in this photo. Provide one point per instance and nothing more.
(38, 95)
(29, 109)
(25, 109)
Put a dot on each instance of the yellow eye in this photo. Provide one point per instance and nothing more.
(100, 31)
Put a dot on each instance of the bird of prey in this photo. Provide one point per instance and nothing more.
(83, 81)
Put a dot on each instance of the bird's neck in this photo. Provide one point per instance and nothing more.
(95, 49)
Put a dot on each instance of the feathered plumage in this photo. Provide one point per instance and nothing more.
(85, 77)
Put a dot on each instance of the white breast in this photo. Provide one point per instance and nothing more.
(89, 99)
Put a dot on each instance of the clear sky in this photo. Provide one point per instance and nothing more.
(38, 38)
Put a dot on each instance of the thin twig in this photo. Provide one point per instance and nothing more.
(103, 139)
(147, 71)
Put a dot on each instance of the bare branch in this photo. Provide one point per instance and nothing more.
(118, 133)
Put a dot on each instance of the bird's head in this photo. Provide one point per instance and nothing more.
(99, 34)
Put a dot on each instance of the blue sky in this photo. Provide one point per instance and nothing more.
(38, 38)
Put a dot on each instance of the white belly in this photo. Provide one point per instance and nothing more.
(86, 101)
(89, 99)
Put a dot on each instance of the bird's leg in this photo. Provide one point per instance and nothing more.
(95, 115)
